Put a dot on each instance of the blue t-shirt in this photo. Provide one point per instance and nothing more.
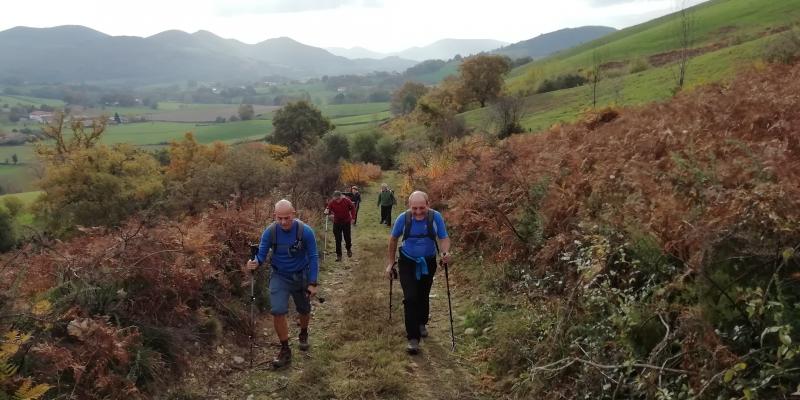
(419, 246)
(284, 262)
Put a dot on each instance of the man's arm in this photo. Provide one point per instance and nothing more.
(313, 256)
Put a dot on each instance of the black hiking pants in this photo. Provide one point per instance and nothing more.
(416, 303)
(386, 215)
(340, 230)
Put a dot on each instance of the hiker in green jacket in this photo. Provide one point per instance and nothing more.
(386, 200)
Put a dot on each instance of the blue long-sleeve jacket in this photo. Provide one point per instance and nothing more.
(282, 261)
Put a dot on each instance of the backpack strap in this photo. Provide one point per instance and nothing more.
(431, 227)
(406, 224)
(300, 230)
(273, 234)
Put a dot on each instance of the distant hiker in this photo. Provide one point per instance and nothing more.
(386, 200)
(343, 212)
(295, 266)
(424, 234)
(355, 197)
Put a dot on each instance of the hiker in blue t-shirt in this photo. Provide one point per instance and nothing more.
(295, 265)
(424, 233)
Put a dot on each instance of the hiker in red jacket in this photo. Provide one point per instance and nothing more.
(344, 213)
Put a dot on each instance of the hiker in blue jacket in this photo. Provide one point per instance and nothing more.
(424, 234)
(295, 266)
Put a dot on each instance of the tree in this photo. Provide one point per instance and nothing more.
(482, 77)
(7, 236)
(336, 147)
(365, 147)
(507, 112)
(117, 119)
(685, 41)
(387, 150)
(98, 186)
(89, 184)
(405, 99)
(597, 63)
(14, 205)
(438, 110)
(246, 112)
(298, 125)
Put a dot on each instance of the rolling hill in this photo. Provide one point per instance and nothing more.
(80, 54)
(553, 42)
(638, 63)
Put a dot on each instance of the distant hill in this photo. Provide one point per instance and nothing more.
(80, 54)
(553, 42)
(355, 52)
(446, 49)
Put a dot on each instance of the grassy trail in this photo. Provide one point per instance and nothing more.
(356, 353)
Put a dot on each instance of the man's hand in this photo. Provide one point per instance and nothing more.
(251, 265)
(312, 291)
(446, 257)
(389, 273)
(326, 211)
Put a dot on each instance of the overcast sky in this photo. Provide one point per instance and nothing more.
(379, 25)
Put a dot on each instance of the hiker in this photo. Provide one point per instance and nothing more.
(355, 196)
(295, 266)
(386, 200)
(424, 234)
(343, 212)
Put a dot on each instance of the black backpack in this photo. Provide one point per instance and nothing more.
(431, 231)
(273, 236)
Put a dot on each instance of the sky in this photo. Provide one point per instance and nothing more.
(378, 25)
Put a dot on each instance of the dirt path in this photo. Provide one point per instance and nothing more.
(356, 352)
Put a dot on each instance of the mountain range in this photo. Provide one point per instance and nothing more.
(72, 53)
(76, 53)
(553, 42)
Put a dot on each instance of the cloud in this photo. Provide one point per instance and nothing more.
(240, 7)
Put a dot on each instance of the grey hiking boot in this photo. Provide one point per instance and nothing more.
(413, 346)
(283, 358)
(303, 339)
(423, 331)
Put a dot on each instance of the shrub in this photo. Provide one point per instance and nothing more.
(14, 205)
(359, 174)
(562, 82)
(639, 65)
(785, 48)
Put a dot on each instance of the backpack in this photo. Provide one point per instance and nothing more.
(431, 232)
(273, 235)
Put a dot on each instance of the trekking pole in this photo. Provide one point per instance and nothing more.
(449, 307)
(392, 275)
(253, 253)
(326, 237)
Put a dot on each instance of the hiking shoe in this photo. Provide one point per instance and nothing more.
(349, 253)
(283, 358)
(423, 331)
(413, 346)
(303, 338)
(338, 258)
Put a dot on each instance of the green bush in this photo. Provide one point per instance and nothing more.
(562, 82)
(639, 65)
(7, 237)
(785, 48)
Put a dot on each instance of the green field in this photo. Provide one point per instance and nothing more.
(715, 22)
(162, 132)
(654, 84)
(349, 110)
(13, 100)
